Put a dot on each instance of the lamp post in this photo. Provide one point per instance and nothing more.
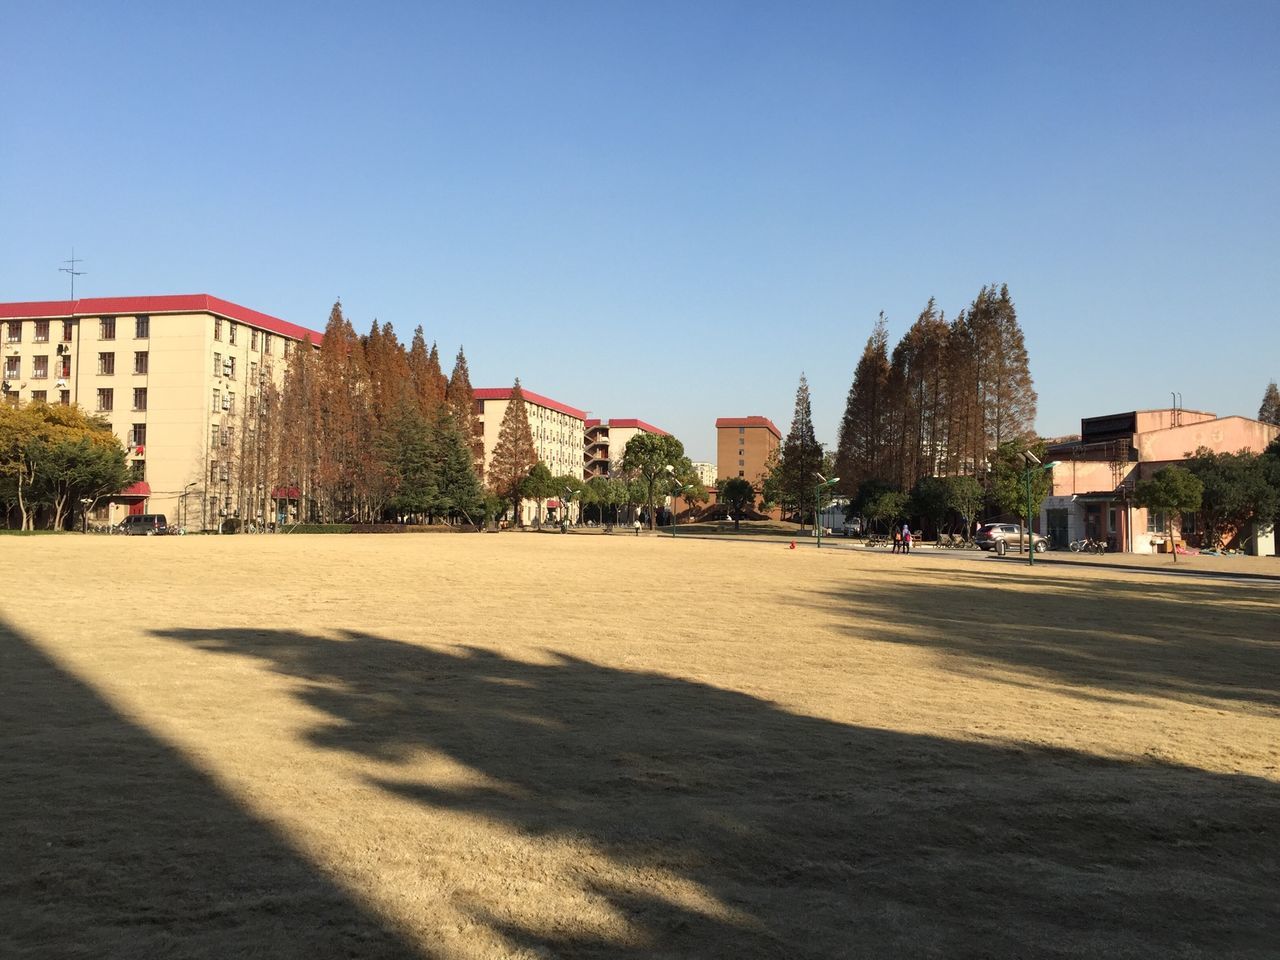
(569, 494)
(1033, 466)
(185, 491)
(824, 484)
(85, 503)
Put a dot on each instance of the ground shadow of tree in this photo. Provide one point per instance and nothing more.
(1196, 641)
(114, 846)
(818, 839)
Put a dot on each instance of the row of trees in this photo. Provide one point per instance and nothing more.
(370, 429)
(953, 400)
(52, 458)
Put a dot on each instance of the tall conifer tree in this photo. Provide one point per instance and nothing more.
(1269, 412)
(514, 454)
(801, 455)
(860, 449)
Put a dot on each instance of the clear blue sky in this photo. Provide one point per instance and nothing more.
(669, 211)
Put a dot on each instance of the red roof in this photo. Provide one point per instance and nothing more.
(593, 422)
(139, 488)
(286, 493)
(132, 306)
(638, 425)
(504, 393)
(749, 422)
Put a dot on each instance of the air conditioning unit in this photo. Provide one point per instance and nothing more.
(226, 403)
(226, 368)
(62, 348)
(61, 382)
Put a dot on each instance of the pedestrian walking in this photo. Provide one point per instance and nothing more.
(906, 539)
(897, 540)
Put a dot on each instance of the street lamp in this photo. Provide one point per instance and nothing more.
(185, 491)
(1033, 466)
(824, 484)
(85, 503)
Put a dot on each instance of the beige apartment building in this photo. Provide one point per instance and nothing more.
(181, 380)
(557, 429)
(606, 441)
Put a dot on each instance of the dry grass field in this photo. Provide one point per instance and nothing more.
(585, 746)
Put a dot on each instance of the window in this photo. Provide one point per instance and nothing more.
(253, 372)
(65, 371)
(67, 327)
(288, 347)
(229, 402)
(141, 327)
(266, 343)
(740, 453)
(741, 473)
(39, 396)
(139, 468)
(217, 364)
(40, 368)
(213, 435)
(107, 328)
(138, 435)
(11, 397)
(106, 399)
(42, 331)
(231, 367)
(141, 361)
(742, 463)
(231, 332)
(139, 398)
(213, 472)
(217, 328)
(228, 436)
(253, 339)
(12, 368)
(106, 364)
(64, 397)
(217, 400)
(14, 334)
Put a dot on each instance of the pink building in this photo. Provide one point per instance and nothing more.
(1094, 480)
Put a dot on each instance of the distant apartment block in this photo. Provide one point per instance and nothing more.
(706, 473)
(606, 441)
(744, 447)
(557, 429)
(181, 381)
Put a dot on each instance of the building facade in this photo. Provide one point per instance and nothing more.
(184, 382)
(744, 448)
(558, 430)
(606, 441)
(1095, 476)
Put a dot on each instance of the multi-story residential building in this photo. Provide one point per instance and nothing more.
(606, 441)
(182, 381)
(744, 447)
(557, 429)
(1095, 476)
(706, 473)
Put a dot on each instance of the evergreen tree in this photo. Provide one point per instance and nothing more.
(801, 456)
(514, 454)
(461, 400)
(1269, 412)
(461, 492)
(860, 446)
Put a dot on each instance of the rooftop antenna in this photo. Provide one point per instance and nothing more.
(71, 269)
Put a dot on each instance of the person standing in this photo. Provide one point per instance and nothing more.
(906, 539)
(897, 540)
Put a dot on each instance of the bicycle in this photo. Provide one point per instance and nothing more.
(1088, 545)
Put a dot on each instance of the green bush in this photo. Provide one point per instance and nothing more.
(319, 528)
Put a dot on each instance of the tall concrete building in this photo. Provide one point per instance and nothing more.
(744, 446)
(179, 378)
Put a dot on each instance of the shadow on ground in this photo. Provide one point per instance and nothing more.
(818, 839)
(1191, 641)
(113, 846)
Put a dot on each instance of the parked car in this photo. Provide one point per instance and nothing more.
(144, 525)
(989, 534)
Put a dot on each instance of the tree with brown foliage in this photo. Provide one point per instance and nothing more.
(514, 454)
(461, 399)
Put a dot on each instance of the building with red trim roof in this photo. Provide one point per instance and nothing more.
(179, 378)
(606, 442)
